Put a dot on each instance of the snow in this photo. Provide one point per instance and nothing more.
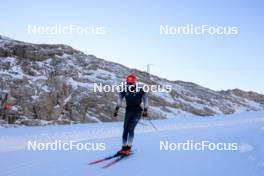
(246, 129)
(35, 97)
(46, 62)
(104, 73)
(75, 84)
(4, 40)
(45, 88)
(94, 118)
(16, 71)
(167, 97)
(244, 147)
(173, 112)
(14, 108)
(67, 99)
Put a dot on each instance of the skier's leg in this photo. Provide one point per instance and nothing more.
(126, 127)
(135, 119)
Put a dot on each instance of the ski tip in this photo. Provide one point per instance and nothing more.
(91, 163)
(95, 162)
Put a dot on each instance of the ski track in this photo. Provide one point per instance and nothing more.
(15, 168)
(10, 143)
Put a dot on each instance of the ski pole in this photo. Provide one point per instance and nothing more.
(153, 125)
(141, 123)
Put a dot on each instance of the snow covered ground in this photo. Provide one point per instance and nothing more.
(246, 129)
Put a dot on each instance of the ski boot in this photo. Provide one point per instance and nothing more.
(126, 149)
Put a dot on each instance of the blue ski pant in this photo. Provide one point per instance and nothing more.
(132, 116)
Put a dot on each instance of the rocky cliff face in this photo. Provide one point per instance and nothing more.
(53, 84)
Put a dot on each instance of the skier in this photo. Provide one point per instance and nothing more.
(134, 98)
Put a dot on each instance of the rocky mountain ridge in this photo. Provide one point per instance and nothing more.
(53, 84)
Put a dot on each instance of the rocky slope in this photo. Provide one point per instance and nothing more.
(53, 84)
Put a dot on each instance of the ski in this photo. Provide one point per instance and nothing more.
(104, 159)
(115, 161)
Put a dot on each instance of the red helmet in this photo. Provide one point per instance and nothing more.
(131, 79)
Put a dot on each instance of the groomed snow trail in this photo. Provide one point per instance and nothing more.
(246, 129)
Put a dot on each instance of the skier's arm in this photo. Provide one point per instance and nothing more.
(119, 100)
(119, 103)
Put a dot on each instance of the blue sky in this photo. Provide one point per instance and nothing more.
(133, 39)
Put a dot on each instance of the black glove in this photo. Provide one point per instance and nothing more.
(116, 111)
(145, 112)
